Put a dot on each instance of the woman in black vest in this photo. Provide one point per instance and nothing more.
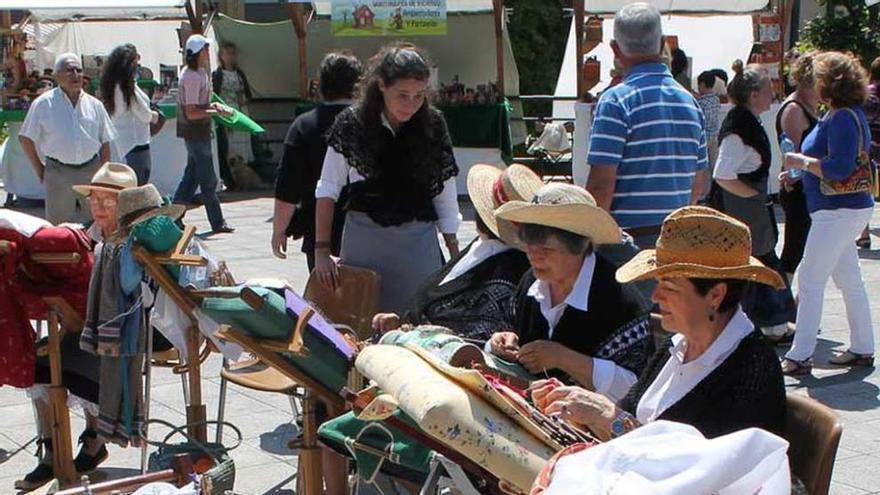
(571, 318)
(742, 172)
(717, 373)
(393, 152)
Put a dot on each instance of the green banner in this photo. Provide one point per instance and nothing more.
(388, 17)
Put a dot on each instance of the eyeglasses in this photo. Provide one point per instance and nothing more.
(105, 203)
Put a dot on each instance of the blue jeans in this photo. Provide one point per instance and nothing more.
(199, 173)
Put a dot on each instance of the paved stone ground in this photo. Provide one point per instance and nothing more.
(265, 466)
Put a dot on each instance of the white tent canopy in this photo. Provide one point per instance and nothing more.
(731, 37)
(48, 10)
(468, 50)
(156, 40)
(682, 6)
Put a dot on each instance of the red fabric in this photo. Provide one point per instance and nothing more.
(23, 284)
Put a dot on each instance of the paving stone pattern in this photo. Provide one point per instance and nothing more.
(265, 465)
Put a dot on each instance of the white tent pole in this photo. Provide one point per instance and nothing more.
(579, 46)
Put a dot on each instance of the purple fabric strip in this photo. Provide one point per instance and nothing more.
(317, 324)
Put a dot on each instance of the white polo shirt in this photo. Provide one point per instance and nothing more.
(71, 135)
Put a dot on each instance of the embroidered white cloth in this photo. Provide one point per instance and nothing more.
(663, 458)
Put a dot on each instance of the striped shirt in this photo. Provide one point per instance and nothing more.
(653, 131)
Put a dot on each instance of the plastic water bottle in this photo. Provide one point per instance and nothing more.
(786, 146)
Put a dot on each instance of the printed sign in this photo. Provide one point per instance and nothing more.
(388, 17)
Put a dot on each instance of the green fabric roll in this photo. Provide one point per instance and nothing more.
(272, 322)
(159, 234)
(413, 455)
(237, 121)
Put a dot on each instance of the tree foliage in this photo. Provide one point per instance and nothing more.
(538, 32)
(848, 26)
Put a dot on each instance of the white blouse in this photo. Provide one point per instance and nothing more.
(734, 157)
(336, 174)
(677, 378)
(608, 378)
(480, 251)
(132, 123)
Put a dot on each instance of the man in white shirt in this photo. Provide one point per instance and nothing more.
(71, 129)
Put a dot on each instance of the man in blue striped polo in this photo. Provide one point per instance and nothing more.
(647, 144)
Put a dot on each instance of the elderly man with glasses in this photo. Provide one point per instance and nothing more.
(71, 129)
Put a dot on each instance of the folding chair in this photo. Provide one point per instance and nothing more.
(813, 430)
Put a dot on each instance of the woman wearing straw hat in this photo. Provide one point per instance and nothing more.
(572, 319)
(472, 295)
(80, 370)
(718, 373)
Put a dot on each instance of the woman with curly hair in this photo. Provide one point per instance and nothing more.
(129, 108)
(830, 153)
(393, 152)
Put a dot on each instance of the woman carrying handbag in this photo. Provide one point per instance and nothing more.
(837, 184)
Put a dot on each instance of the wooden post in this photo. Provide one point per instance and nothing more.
(785, 10)
(579, 46)
(297, 14)
(194, 14)
(498, 8)
(310, 477)
(233, 8)
(62, 447)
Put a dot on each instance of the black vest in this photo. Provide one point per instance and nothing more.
(742, 122)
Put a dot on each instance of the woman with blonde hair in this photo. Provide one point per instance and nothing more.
(742, 173)
(831, 154)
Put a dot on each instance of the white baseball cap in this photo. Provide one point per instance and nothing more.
(195, 43)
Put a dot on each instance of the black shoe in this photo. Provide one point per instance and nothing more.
(85, 463)
(224, 229)
(41, 474)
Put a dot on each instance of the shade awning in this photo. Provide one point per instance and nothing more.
(681, 6)
(55, 10)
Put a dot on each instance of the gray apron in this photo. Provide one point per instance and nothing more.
(754, 213)
(404, 256)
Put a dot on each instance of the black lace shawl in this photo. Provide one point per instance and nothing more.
(403, 171)
(476, 304)
(746, 390)
(742, 122)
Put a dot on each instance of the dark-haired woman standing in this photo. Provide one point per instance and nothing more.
(129, 108)
(394, 152)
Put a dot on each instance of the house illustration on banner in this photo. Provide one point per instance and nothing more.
(363, 17)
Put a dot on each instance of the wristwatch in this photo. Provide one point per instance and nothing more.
(622, 423)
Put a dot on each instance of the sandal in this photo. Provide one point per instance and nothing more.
(791, 367)
(847, 358)
(785, 339)
(864, 242)
(84, 462)
(41, 474)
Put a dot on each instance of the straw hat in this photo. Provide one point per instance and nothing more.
(565, 207)
(139, 204)
(490, 187)
(111, 177)
(700, 242)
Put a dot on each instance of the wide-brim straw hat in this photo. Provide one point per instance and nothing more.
(700, 242)
(111, 177)
(490, 187)
(139, 204)
(565, 207)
